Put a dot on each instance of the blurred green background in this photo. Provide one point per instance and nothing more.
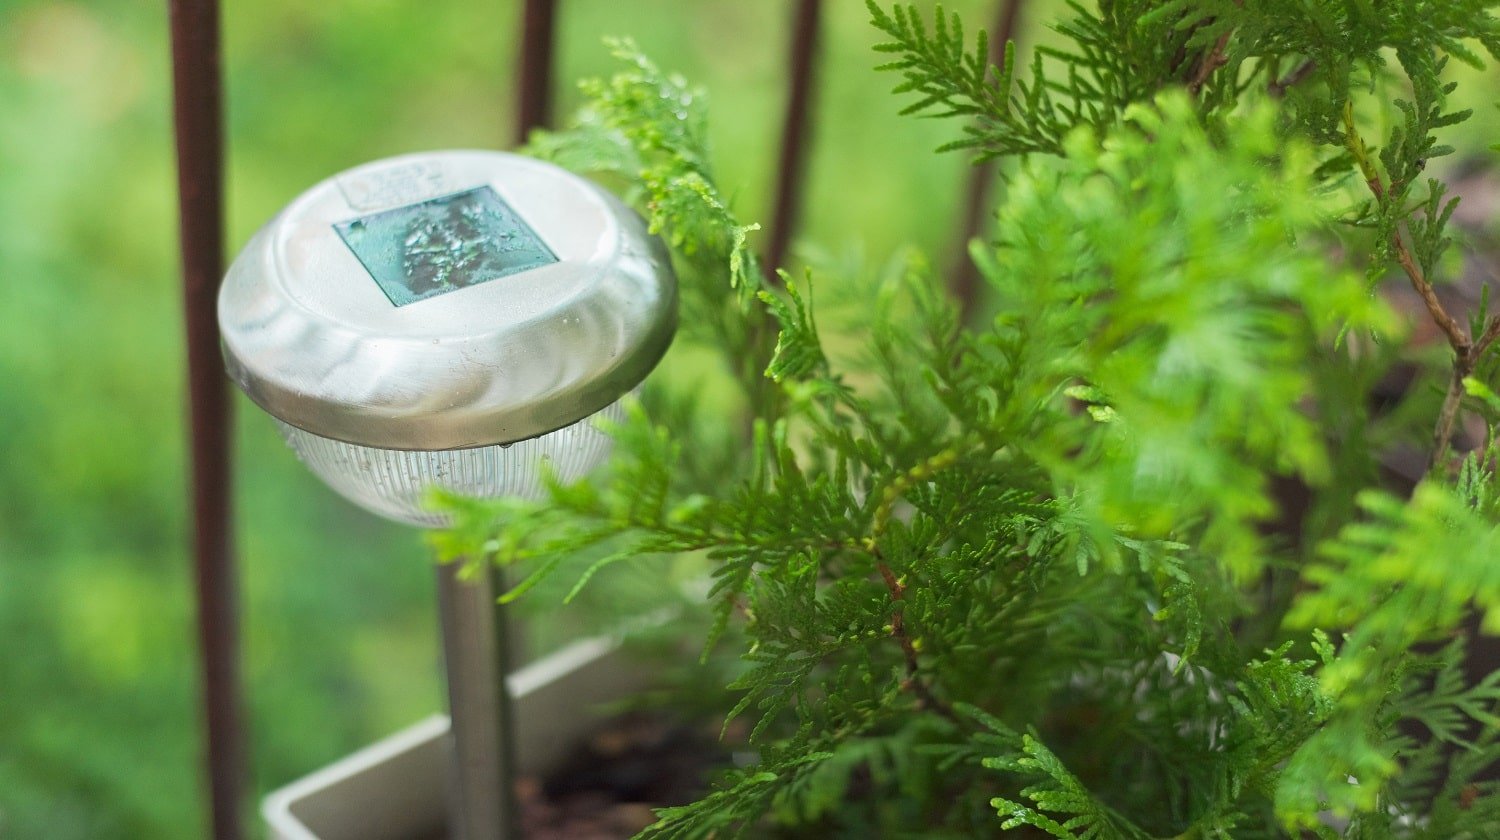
(99, 724)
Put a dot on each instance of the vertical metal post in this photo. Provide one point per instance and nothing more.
(534, 79)
(477, 643)
(964, 284)
(198, 121)
(482, 804)
(792, 166)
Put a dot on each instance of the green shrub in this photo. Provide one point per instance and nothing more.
(1035, 573)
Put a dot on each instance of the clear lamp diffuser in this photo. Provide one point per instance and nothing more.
(394, 483)
(452, 319)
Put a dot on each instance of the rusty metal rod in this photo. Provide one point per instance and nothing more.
(198, 120)
(795, 130)
(964, 282)
(534, 79)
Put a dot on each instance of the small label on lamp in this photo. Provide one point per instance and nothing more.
(444, 244)
(393, 184)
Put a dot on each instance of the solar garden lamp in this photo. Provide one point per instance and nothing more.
(455, 319)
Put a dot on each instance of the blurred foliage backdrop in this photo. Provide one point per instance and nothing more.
(99, 727)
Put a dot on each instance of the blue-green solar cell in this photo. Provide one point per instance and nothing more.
(444, 244)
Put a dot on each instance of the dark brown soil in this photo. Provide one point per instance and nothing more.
(610, 785)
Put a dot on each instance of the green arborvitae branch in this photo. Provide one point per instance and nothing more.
(1074, 522)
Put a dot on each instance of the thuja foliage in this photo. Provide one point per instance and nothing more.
(1119, 561)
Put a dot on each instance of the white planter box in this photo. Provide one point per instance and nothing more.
(396, 789)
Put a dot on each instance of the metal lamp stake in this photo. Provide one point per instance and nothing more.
(477, 651)
(455, 319)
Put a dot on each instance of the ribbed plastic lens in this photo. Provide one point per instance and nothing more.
(393, 483)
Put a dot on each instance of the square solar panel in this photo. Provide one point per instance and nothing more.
(444, 244)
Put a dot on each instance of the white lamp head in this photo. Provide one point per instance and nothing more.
(449, 318)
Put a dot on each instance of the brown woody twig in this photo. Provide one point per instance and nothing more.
(914, 681)
(892, 493)
(1278, 87)
(1466, 351)
(1212, 60)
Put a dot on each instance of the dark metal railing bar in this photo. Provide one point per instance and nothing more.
(198, 120)
(534, 79)
(964, 275)
(792, 164)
